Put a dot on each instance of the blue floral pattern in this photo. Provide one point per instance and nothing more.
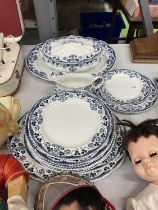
(144, 101)
(39, 72)
(72, 59)
(35, 120)
(42, 172)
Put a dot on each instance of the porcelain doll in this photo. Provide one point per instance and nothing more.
(14, 179)
(141, 144)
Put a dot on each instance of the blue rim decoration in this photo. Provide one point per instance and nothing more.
(35, 120)
(17, 148)
(35, 70)
(147, 97)
(78, 159)
(71, 59)
(81, 163)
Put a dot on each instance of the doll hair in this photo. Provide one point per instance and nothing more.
(146, 128)
(87, 198)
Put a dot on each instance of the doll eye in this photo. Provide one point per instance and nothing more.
(153, 154)
(137, 161)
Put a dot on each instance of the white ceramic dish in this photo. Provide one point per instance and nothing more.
(39, 68)
(128, 91)
(71, 49)
(58, 119)
(42, 173)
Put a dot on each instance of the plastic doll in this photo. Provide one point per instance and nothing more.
(141, 144)
(14, 179)
(67, 191)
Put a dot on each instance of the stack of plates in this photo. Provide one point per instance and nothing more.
(70, 54)
(69, 131)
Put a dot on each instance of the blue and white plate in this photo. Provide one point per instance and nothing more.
(37, 66)
(77, 160)
(41, 172)
(128, 91)
(70, 124)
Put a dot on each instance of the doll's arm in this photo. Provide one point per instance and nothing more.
(15, 179)
(18, 186)
(17, 194)
(16, 202)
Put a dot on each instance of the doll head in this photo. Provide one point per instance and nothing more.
(141, 144)
(8, 126)
(80, 199)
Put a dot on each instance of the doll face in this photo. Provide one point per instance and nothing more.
(73, 206)
(144, 157)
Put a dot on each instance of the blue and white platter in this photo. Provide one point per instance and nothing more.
(40, 172)
(127, 91)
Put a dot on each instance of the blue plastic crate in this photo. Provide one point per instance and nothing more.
(153, 1)
(98, 25)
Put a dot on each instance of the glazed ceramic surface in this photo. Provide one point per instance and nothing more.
(41, 172)
(128, 91)
(71, 49)
(75, 115)
(37, 66)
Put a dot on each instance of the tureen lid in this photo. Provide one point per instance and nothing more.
(71, 49)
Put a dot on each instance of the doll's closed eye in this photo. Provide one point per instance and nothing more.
(137, 161)
(153, 154)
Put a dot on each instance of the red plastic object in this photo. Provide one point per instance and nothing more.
(11, 22)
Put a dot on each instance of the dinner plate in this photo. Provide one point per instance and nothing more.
(80, 155)
(69, 123)
(39, 68)
(128, 91)
(40, 172)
